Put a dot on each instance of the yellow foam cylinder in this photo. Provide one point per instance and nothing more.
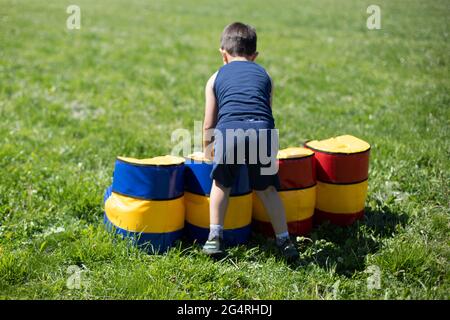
(148, 216)
(298, 204)
(341, 198)
(239, 212)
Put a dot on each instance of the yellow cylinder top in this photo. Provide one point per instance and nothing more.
(198, 156)
(160, 161)
(340, 144)
(294, 152)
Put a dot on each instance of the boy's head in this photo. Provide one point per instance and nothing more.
(238, 40)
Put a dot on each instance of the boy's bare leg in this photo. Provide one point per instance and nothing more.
(275, 209)
(218, 204)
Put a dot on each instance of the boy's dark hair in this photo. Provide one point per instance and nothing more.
(238, 39)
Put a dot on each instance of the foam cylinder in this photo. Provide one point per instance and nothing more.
(297, 192)
(146, 201)
(237, 224)
(342, 169)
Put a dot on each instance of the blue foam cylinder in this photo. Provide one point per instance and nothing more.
(148, 182)
(197, 178)
(151, 242)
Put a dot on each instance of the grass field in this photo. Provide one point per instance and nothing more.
(71, 101)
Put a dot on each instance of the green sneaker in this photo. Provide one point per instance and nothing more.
(214, 247)
(288, 250)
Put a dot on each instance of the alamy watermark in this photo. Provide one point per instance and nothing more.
(75, 279)
(374, 279)
(374, 20)
(231, 146)
(73, 21)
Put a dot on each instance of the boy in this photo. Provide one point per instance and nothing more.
(239, 97)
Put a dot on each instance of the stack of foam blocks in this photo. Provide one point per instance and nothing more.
(342, 168)
(145, 202)
(297, 192)
(198, 183)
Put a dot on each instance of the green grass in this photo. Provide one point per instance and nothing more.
(71, 101)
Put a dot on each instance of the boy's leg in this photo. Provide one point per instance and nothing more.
(223, 174)
(275, 209)
(218, 204)
(265, 184)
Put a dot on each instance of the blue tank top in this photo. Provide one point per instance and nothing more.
(242, 90)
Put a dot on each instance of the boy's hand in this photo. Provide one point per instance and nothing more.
(208, 152)
(209, 156)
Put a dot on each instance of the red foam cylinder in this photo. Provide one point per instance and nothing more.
(341, 168)
(341, 160)
(297, 173)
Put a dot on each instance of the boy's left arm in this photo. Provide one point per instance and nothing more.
(210, 119)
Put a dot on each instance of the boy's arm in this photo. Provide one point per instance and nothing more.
(210, 119)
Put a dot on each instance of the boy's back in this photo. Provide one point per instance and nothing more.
(243, 92)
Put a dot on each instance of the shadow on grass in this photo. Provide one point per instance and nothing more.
(346, 248)
(328, 246)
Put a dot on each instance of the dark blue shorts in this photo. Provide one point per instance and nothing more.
(251, 146)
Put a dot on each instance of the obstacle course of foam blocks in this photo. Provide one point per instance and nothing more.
(154, 202)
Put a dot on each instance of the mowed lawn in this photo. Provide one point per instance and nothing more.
(71, 101)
